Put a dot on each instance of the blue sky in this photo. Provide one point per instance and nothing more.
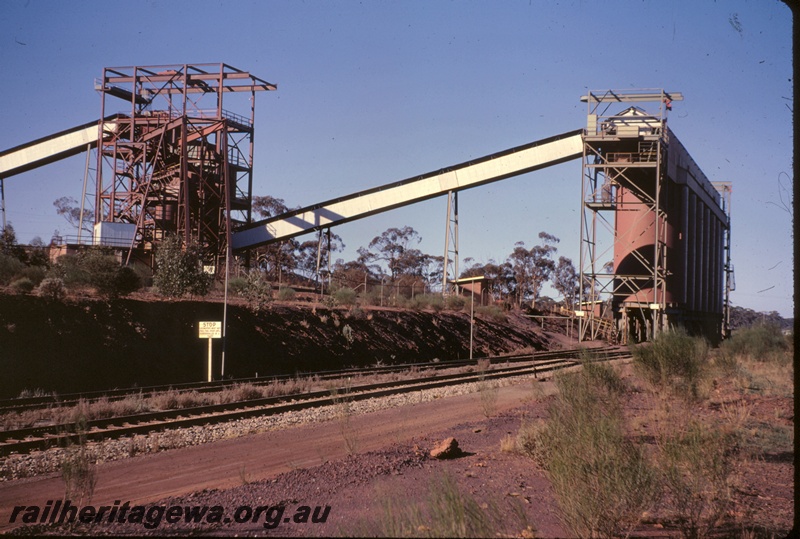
(372, 92)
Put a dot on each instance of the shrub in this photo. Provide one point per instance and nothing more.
(52, 288)
(344, 296)
(126, 281)
(427, 301)
(286, 294)
(447, 512)
(34, 273)
(372, 297)
(673, 361)
(247, 392)
(101, 270)
(347, 333)
(602, 375)
(95, 268)
(602, 480)
(759, 359)
(179, 272)
(697, 465)
(455, 303)
(23, 285)
(436, 302)
(492, 312)
(254, 288)
(9, 268)
(70, 270)
(764, 342)
(531, 441)
(78, 469)
(237, 286)
(418, 302)
(401, 301)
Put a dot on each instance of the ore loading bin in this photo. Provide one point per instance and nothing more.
(666, 226)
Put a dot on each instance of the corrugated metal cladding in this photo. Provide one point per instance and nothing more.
(691, 226)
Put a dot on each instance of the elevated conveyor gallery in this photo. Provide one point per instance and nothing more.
(494, 167)
(52, 148)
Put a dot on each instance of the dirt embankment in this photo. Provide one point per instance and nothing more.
(80, 345)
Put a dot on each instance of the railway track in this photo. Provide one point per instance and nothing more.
(42, 437)
(19, 404)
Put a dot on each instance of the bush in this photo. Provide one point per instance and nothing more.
(126, 281)
(372, 297)
(603, 375)
(101, 270)
(237, 286)
(446, 512)
(10, 267)
(426, 301)
(697, 465)
(104, 273)
(345, 296)
(179, 272)
(34, 273)
(436, 302)
(673, 361)
(23, 285)
(602, 480)
(286, 294)
(70, 270)
(764, 342)
(257, 291)
(52, 288)
(96, 268)
(492, 312)
(455, 303)
(531, 441)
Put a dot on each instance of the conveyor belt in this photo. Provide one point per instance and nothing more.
(494, 167)
(52, 147)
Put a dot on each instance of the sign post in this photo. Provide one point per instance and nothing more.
(210, 331)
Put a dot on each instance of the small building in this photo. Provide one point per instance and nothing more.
(478, 288)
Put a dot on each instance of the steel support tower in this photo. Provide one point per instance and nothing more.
(178, 160)
(450, 263)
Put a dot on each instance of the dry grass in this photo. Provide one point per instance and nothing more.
(602, 480)
(674, 363)
(78, 468)
(137, 403)
(697, 465)
(344, 414)
(446, 511)
(508, 444)
(759, 359)
(487, 391)
(679, 452)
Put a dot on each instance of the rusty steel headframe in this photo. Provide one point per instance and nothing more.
(177, 160)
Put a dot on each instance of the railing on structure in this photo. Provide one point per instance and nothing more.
(88, 240)
(631, 157)
(599, 327)
(205, 114)
(605, 329)
(236, 158)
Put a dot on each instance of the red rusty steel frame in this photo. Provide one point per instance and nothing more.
(178, 162)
